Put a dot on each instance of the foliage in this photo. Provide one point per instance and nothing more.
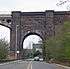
(27, 53)
(37, 53)
(58, 47)
(34, 50)
(3, 49)
(66, 39)
(54, 49)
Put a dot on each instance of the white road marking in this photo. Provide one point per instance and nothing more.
(29, 65)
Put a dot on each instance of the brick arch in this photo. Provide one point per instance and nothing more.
(44, 24)
(47, 23)
(31, 33)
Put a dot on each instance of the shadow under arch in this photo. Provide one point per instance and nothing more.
(30, 33)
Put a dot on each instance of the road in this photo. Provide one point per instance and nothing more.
(42, 65)
(15, 65)
(29, 65)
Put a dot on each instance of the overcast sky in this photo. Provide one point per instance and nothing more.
(32, 39)
(4, 33)
(31, 5)
(6, 6)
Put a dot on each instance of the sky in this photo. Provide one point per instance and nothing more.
(6, 6)
(5, 33)
(32, 39)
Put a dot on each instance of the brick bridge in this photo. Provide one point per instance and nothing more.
(22, 24)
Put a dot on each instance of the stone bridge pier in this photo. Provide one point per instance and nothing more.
(27, 23)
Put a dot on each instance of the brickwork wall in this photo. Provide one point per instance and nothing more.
(46, 24)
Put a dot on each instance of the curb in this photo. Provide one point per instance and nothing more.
(66, 67)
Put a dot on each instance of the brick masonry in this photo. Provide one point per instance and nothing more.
(44, 24)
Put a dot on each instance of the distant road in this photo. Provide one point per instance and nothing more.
(28, 65)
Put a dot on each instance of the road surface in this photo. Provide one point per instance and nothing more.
(29, 65)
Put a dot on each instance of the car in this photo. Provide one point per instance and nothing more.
(41, 59)
(36, 58)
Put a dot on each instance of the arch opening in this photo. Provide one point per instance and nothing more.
(32, 46)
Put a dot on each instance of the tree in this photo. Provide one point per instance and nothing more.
(58, 47)
(4, 45)
(37, 53)
(62, 3)
(66, 39)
